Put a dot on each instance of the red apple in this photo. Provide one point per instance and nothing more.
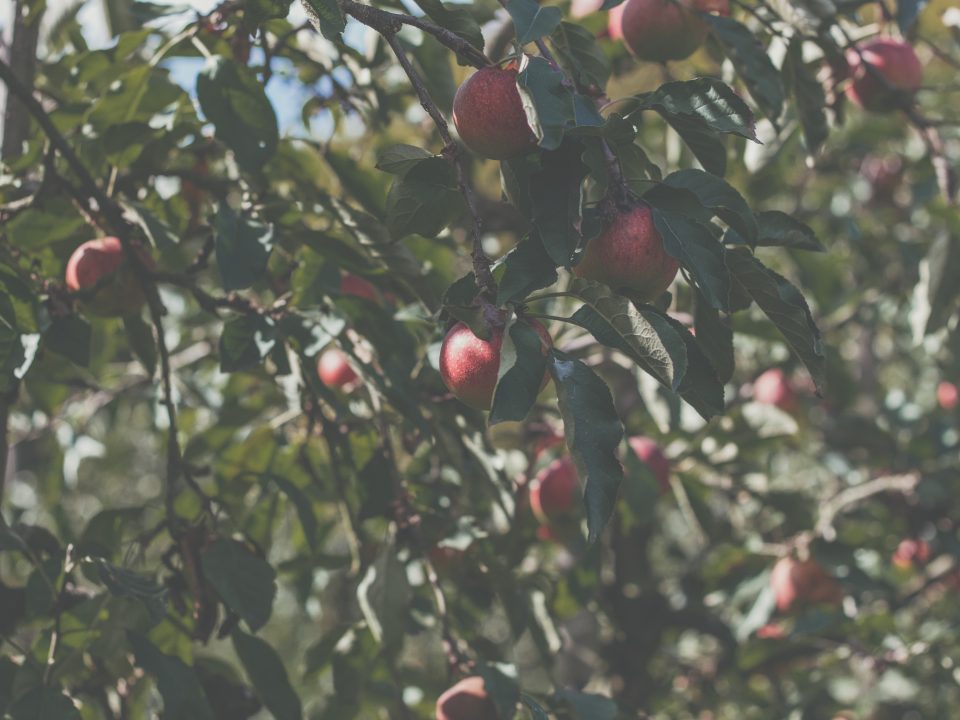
(629, 255)
(582, 8)
(355, 285)
(772, 387)
(489, 115)
(469, 365)
(771, 631)
(911, 553)
(893, 79)
(947, 395)
(615, 22)
(467, 700)
(884, 175)
(662, 30)
(554, 491)
(797, 582)
(547, 442)
(650, 453)
(334, 370)
(101, 264)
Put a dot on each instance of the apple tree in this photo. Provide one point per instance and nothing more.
(480, 360)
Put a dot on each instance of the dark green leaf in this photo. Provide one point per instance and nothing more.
(142, 341)
(942, 265)
(122, 582)
(43, 703)
(183, 696)
(233, 99)
(775, 228)
(425, 200)
(714, 336)
(158, 232)
(326, 16)
(588, 706)
(750, 59)
(245, 582)
(527, 267)
(716, 194)
(70, 336)
(522, 367)
(245, 342)
(243, 248)
(399, 159)
(706, 145)
(784, 305)
(268, 675)
(907, 12)
(547, 98)
(384, 594)
(706, 100)
(580, 55)
(455, 18)
(502, 690)
(532, 21)
(556, 194)
(809, 95)
(593, 433)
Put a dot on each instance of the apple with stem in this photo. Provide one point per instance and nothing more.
(101, 267)
(885, 74)
(334, 369)
(802, 582)
(467, 700)
(489, 116)
(662, 30)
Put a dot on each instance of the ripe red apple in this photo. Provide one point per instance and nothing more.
(469, 365)
(629, 255)
(911, 553)
(797, 582)
(101, 264)
(947, 395)
(662, 30)
(467, 700)
(892, 60)
(554, 491)
(650, 453)
(772, 387)
(355, 285)
(771, 631)
(489, 116)
(334, 370)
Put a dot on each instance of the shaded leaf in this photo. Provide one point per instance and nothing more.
(70, 336)
(326, 16)
(183, 696)
(547, 98)
(580, 54)
(268, 675)
(243, 248)
(522, 367)
(384, 594)
(527, 267)
(245, 582)
(706, 100)
(532, 21)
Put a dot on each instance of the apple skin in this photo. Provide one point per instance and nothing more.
(467, 700)
(662, 30)
(615, 22)
(469, 365)
(120, 296)
(895, 61)
(947, 395)
(651, 454)
(772, 387)
(553, 492)
(911, 553)
(629, 254)
(334, 370)
(355, 285)
(797, 582)
(489, 116)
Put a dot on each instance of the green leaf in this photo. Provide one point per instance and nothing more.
(268, 675)
(750, 59)
(547, 98)
(12, 357)
(522, 367)
(243, 248)
(811, 101)
(716, 194)
(233, 99)
(532, 21)
(326, 16)
(714, 336)
(707, 147)
(527, 267)
(907, 12)
(501, 688)
(302, 505)
(183, 696)
(245, 342)
(70, 336)
(534, 707)
(400, 159)
(580, 54)
(593, 433)
(556, 194)
(784, 305)
(384, 594)
(456, 19)
(245, 582)
(704, 100)
(425, 200)
(588, 706)
(122, 582)
(938, 270)
(158, 232)
(700, 386)
(40, 226)
(142, 341)
(43, 703)
(775, 228)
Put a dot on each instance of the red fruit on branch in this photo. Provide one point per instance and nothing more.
(554, 491)
(892, 79)
(911, 553)
(467, 700)
(651, 454)
(489, 115)
(773, 387)
(947, 395)
(101, 264)
(662, 30)
(802, 582)
(629, 254)
(469, 365)
(355, 285)
(334, 370)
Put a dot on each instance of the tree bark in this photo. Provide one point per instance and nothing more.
(23, 61)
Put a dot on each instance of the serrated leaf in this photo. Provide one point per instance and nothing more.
(718, 195)
(326, 16)
(707, 147)
(527, 267)
(593, 433)
(400, 159)
(580, 54)
(268, 675)
(534, 707)
(522, 367)
(233, 99)
(750, 59)
(784, 305)
(182, 693)
(532, 21)
(705, 100)
(243, 247)
(246, 583)
(777, 229)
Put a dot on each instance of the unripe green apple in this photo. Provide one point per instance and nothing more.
(489, 115)
(334, 370)
(662, 30)
(101, 264)
(469, 365)
(895, 62)
(467, 700)
(629, 254)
